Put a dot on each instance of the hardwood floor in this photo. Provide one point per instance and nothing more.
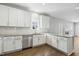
(43, 50)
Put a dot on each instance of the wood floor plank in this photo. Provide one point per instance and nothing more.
(43, 50)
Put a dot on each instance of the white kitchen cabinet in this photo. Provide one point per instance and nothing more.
(16, 17)
(18, 42)
(13, 16)
(27, 19)
(54, 41)
(1, 46)
(35, 40)
(70, 45)
(66, 44)
(49, 40)
(45, 21)
(12, 43)
(3, 15)
(38, 40)
(60, 28)
(20, 18)
(41, 39)
(62, 44)
(8, 44)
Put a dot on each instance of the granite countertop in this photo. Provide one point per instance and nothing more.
(19, 34)
(1, 35)
(67, 36)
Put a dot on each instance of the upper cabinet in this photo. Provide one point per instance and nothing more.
(44, 21)
(16, 17)
(27, 19)
(19, 18)
(13, 16)
(10, 16)
(3, 15)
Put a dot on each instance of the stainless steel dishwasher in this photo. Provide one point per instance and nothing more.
(27, 41)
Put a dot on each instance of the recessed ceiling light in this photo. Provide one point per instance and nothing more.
(77, 7)
(43, 4)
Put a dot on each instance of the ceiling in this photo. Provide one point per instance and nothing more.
(66, 11)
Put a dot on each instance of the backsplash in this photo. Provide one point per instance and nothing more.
(15, 30)
(19, 30)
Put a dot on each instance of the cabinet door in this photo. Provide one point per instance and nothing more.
(45, 21)
(18, 42)
(13, 15)
(41, 39)
(35, 40)
(54, 41)
(20, 18)
(62, 44)
(3, 15)
(8, 44)
(60, 28)
(49, 40)
(27, 19)
(1, 45)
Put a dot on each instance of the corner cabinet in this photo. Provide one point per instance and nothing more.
(52, 40)
(38, 40)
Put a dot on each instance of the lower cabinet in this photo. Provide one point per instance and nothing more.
(1, 45)
(52, 40)
(41, 39)
(66, 44)
(62, 44)
(38, 40)
(35, 40)
(49, 40)
(12, 43)
(18, 42)
(8, 44)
